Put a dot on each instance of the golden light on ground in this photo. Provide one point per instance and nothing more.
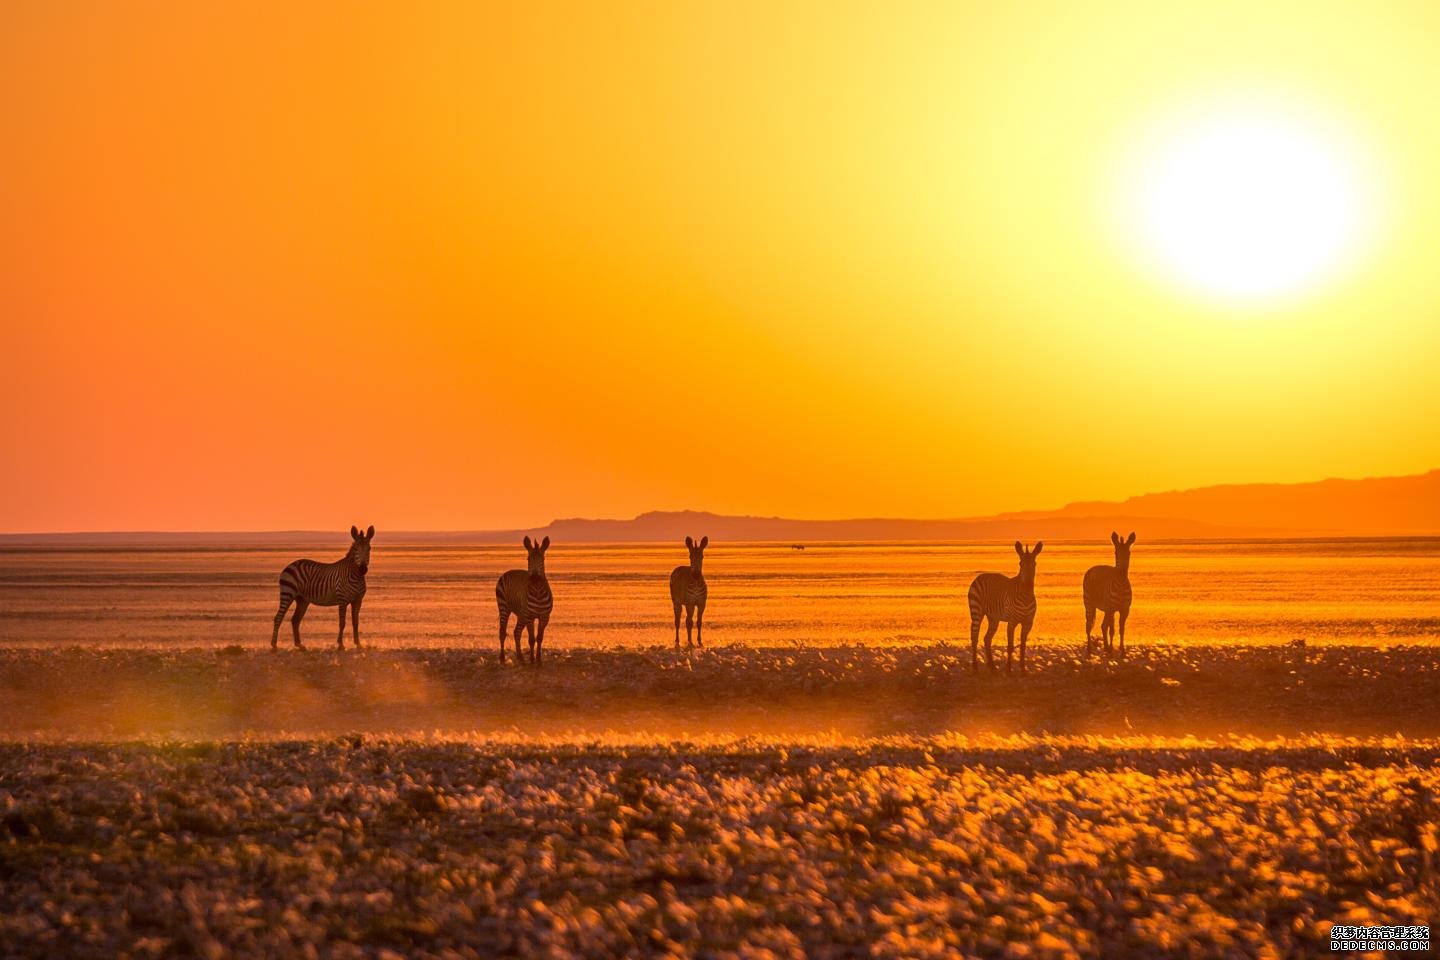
(1249, 202)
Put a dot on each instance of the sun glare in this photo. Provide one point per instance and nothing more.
(1248, 203)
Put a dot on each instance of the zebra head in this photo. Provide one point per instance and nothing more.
(697, 552)
(536, 552)
(1122, 550)
(360, 548)
(1027, 560)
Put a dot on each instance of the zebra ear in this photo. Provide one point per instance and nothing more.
(1039, 545)
(704, 542)
(354, 533)
(370, 534)
(689, 544)
(1115, 538)
(1019, 548)
(545, 544)
(1130, 539)
(527, 543)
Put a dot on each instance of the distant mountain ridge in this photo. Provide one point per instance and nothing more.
(669, 525)
(1375, 506)
(1372, 507)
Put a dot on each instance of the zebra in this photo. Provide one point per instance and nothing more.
(687, 589)
(1108, 588)
(1012, 599)
(340, 583)
(526, 593)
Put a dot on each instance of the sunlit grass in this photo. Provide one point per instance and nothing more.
(622, 845)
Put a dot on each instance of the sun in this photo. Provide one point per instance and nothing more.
(1247, 202)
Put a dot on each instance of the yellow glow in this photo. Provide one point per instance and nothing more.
(1248, 201)
(824, 260)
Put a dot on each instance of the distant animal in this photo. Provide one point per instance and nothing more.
(687, 589)
(526, 593)
(341, 584)
(996, 597)
(797, 546)
(1108, 589)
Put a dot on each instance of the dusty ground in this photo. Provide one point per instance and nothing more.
(856, 692)
(736, 802)
(912, 848)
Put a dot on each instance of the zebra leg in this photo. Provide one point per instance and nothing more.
(689, 626)
(1089, 625)
(340, 641)
(1124, 613)
(504, 618)
(301, 605)
(355, 622)
(677, 626)
(699, 616)
(540, 640)
(1107, 630)
(974, 643)
(530, 639)
(1009, 642)
(989, 636)
(519, 628)
(285, 601)
(1024, 638)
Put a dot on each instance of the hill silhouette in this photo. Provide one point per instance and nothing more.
(1376, 506)
(1372, 507)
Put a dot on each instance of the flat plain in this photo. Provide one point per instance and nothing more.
(764, 595)
(827, 778)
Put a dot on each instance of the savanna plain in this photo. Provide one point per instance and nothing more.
(827, 776)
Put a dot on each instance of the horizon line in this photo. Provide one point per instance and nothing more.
(1012, 514)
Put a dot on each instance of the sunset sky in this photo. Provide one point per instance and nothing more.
(457, 266)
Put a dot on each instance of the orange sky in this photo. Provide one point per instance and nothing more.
(272, 268)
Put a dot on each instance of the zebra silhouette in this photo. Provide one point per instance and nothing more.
(1108, 589)
(340, 583)
(996, 597)
(687, 589)
(526, 593)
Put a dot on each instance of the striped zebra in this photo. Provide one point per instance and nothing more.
(687, 589)
(526, 593)
(340, 583)
(1108, 589)
(997, 597)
